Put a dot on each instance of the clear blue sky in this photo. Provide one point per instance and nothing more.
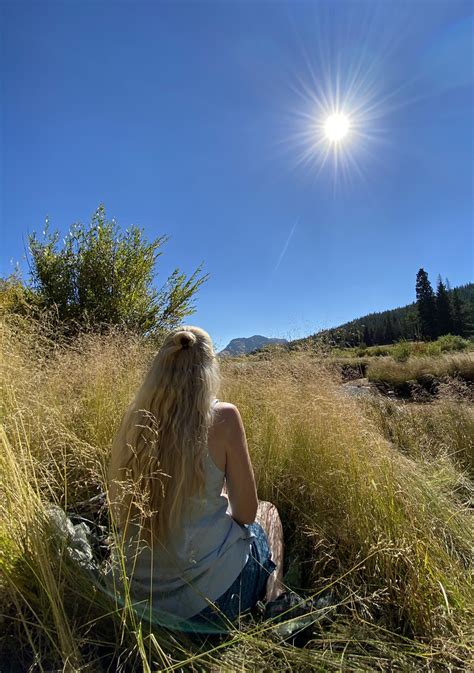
(203, 121)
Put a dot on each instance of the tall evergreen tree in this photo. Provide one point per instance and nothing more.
(443, 309)
(398, 331)
(389, 336)
(367, 336)
(379, 333)
(458, 314)
(426, 305)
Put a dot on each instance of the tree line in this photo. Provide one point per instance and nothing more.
(442, 312)
(433, 314)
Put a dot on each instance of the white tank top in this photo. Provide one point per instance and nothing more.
(201, 560)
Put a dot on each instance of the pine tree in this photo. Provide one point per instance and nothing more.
(410, 328)
(389, 336)
(367, 336)
(458, 314)
(443, 309)
(379, 333)
(398, 330)
(426, 305)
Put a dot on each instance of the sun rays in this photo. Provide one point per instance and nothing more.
(337, 120)
(337, 125)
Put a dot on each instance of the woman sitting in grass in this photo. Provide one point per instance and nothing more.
(197, 544)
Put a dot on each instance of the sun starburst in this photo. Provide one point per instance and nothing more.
(339, 107)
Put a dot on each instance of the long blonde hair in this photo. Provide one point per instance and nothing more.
(157, 459)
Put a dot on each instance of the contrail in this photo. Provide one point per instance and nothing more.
(285, 246)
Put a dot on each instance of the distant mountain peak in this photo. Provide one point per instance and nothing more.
(245, 345)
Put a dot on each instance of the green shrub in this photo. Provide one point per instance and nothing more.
(15, 297)
(451, 342)
(401, 351)
(379, 351)
(100, 276)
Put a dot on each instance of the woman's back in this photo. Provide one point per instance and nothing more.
(201, 558)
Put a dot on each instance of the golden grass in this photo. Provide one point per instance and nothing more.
(420, 369)
(442, 431)
(374, 508)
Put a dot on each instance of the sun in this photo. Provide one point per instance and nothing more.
(337, 118)
(336, 127)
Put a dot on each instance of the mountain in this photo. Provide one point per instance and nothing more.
(246, 345)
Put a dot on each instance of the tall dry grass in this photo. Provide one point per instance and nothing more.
(368, 513)
(421, 369)
(441, 432)
(330, 470)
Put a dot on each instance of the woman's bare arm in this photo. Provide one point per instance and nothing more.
(241, 487)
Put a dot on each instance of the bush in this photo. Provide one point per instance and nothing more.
(102, 277)
(379, 351)
(451, 342)
(14, 296)
(401, 351)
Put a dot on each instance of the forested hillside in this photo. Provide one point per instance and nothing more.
(406, 322)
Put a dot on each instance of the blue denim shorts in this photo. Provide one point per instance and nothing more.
(248, 588)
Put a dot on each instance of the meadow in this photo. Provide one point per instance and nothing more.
(374, 496)
(409, 369)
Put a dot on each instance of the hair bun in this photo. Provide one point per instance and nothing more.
(185, 339)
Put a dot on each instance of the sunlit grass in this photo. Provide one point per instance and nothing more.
(373, 504)
(421, 370)
(440, 433)
(444, 344)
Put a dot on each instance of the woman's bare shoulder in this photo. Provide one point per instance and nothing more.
(225, 416)
(219, 432)
(225, 411)
(224, 405)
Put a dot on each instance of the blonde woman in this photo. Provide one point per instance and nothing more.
(197, 544)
